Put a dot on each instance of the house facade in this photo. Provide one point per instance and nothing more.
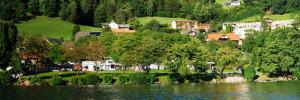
(189, 26)
(98, 65)
(109, 65)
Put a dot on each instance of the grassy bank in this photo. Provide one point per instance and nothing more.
(50, 27)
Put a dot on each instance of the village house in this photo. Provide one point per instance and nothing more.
(98, 65)
(232, 3)
(224, 37)
(189, 27)
(120, 28)
(84, 34)
(241, 29)
(109, 65)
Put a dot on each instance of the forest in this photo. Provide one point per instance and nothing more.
(96, 12)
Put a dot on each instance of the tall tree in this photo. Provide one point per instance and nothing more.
(226, 58)
(8, 38)
(100, 15)
(75, 12)
(88, 10)
(64, 12)
(34, 7)
(7, 9)
(50, 7)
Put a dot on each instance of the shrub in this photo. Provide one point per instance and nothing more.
(297, 74)
(5, 78)
(56, 80)
(107, 79)
(142, 78)
(75, 80)
(123, 79)
(249, 73)
(90, 80)
(165, 80)
(149, 78)
(35, 80)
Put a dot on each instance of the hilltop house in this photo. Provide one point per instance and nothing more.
(241, 29)
(120, 28)
(224, 37)
(84, 34)
(189, 27)
(232, 3)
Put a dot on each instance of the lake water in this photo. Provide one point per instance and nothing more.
(242, 91)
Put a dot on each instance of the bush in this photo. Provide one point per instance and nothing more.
(56, 80)
(123, 79)
(165, 80)
(107, 79)
(75, 80)
(142, 78)
(90, 80)
(35, 80)
(5, 78)
(249, 73)
(297, 74)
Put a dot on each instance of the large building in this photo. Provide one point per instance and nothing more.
(189, 27)
(241, 29)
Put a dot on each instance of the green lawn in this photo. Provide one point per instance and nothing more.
(50, 27)
(274, 17)
(222, 1)
(161, 20)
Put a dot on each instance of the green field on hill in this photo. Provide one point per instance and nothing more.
(274, 17)
(50, 27)
(161, 20)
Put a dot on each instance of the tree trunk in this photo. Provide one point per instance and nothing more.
(222, 73)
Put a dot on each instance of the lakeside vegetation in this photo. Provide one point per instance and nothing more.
(275, 53)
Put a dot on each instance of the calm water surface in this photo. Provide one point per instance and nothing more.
(244, 91)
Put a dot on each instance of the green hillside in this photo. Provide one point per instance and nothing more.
(50, 27)
(274, 17)
(161, 20)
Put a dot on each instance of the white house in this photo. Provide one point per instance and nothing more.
(241, 29)
(282, 23)
(109, 65)
(90, 65)
(113, 25)
(235, 3)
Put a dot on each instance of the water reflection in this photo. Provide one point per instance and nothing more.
(245, 91)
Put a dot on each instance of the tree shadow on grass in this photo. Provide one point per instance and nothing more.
(46, 77)
(71, 74)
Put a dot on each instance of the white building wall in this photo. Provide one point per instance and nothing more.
(113, 25)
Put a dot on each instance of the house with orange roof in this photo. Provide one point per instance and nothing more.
(189, 24)
(224, 37)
